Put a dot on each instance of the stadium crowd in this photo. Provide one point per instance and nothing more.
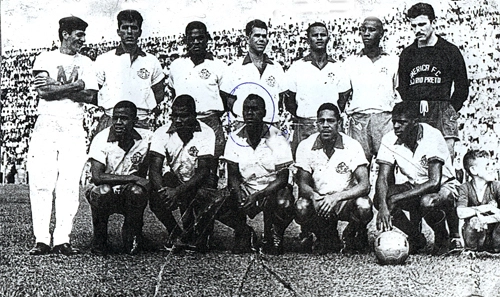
(472, 26)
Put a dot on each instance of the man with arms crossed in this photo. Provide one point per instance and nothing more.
(333, 185)
(129, 73)
(422, 156)
(119, 167)
(64, 81)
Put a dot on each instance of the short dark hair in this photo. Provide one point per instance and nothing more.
(69, 24)
(329, 106)
(185, 101)
(128, 105)
(256, 97)
(407, 108)
(195, 25)
(254, 24)
(129, 15)
(421, 9)
(315, 24)
(471, 156)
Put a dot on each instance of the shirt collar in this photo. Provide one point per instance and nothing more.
(248, 60)
(265, 134)
(309, 58)
(138, 52)
(112, 137)
(318, 144)
(361, 53)
(420, 134)
(172, 129)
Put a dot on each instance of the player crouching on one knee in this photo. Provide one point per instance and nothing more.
(188, 146)
(333, 185)
(423, 158)
(258, 156)
(118, 158)
(478, 204)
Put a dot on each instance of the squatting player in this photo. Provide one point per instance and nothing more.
(64, 81)
(119, 167)
(422, 156)
(333, 185)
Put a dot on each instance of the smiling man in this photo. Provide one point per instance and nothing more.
(372, 74)
(65, 81)
(129, 73)
(119, 167)
(332, 176)
(421, 154)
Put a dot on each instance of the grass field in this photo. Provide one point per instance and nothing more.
(219, 273)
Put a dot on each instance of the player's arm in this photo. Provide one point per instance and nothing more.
(460, 82)
(430, 186)
(384, 178)
(344, 97)
(290, 102)
(100, 177)
(51, 90)
(234, 179)
(200, 176)
(155, 169)
(279, 183)
(159, 91)
(402, 79)
(227, 100)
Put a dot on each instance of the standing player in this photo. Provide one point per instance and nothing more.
(255, 74)
(119, 167)
(313, 81)
(428, 71)
(199, 75)
(333, 183)
(257, 158)
(188, 146)
(64, 81)
(478, 204)
(373, 76)
(422, 155)
(129, 73)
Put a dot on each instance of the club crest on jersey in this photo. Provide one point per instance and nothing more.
(136, 158)
(423, 161)
(204, 73)
(342, 168)
(384, 70)
(143, 73)
(271, 81)
(193, 151)
(331, 76)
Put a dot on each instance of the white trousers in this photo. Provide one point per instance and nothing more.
(57, 153)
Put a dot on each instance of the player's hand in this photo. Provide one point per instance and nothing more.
(43, 81)
(250, 201)
(384, 221)
(329, 203)
(477, 223)
(169, 196)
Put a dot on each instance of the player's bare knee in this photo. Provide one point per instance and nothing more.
(304, 210)
(364, 209)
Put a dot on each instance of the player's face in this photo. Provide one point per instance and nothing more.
(402, 125)
(422, 27)
(328, 125)
(129, 32)
(75, 40)
(318, 38)
(484, 168)
(371, 33)
(257, 41)
(253, 111)
(123, 121)
(182, 119)
(197, 42)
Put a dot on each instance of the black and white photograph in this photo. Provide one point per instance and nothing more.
(250, 148)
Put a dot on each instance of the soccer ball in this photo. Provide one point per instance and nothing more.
(391, 248)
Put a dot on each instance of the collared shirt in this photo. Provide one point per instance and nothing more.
(467, 195)
(105, 149)
(258, 166)
(65, 69)
(243, 79)
(415, 165)
(183, 158)
(314, 86)
(373, 83)
(334, 174)
(125, 79)
(201, 81)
